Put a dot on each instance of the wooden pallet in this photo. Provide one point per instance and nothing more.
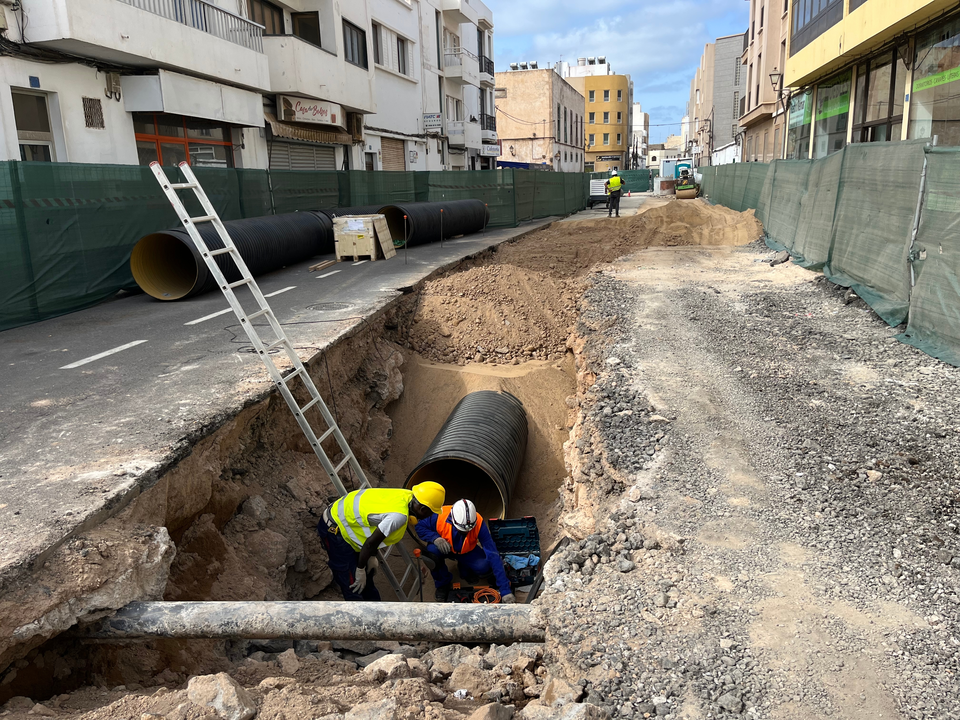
(356, 258)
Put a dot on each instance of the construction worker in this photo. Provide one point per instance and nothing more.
(614, 187)
(458, 531)
(358, 523)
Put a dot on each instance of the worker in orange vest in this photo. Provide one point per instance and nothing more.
(457, 531)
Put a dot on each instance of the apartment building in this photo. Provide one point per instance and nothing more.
(639, 138)
(540, 119)
(609, 111)
(301, 84)
(871, 71)
(763, 107)
(715, 93)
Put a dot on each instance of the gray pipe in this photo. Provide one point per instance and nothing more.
(412, 622)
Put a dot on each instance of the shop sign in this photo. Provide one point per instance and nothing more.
(310, 111)
(489, 151)
(609, 158)
(432, 121)
(833, 98)
(801, 109)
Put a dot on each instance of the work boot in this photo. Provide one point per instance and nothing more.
(442, 593)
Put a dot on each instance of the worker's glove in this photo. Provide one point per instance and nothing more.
(442, 545)
(508, 599)
(373, 564)
(360, 582)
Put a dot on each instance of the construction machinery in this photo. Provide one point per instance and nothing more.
(687, 188)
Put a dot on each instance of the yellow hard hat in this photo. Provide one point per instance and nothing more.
(430, 494)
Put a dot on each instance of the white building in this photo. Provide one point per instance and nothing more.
(299, 84)
(639, 137)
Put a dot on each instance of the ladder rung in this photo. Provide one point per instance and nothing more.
(277, 344)
(257, 314)
(238, 283)
(310, 405)
(203, 218)
(221, 251)
(291, 376)
(183, 186)
(327, 434)
(343, 463)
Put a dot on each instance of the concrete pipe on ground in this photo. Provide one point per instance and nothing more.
(314, 620)
(168, 266)
(478, 452)
(423, 223)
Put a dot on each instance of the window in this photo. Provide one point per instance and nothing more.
(619, 95)
(606, 96)
(811, 18)
(34, 131)
(606, 138)
(566, 133)
(593, 95)
(306, 26)
(756, 96)
(606, 118)
(401, 56)
(619, 118)
(798, 128)
(619, 139)
(878, 101)
(593, 140)
(171, 139)
(831, 115)
(593, 118)
(734, 131)
(267, 14)
(354, 45)
(737, 72)
(935, 105)
(761, 17)
(736, 105)
(377, 42)
(776, 143)
(93, 113)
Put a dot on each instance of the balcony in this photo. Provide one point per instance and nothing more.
(464, 134)
(487, 71)
(488, 128)
(461, 66)
(298, 67)
(461, 12)
(194, 36)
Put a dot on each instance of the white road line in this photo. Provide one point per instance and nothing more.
(360, 263)
(321, 277)
(278, 292)
(208, 317)
(90, 359)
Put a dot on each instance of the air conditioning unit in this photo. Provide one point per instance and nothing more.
(112, 89)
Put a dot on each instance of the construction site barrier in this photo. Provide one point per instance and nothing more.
(634, 181)
(880, 218)
(67, 230)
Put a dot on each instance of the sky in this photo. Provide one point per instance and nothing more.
(657, 42)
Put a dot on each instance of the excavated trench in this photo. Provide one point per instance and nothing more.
(242, 507)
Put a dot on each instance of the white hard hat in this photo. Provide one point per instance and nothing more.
(614, 173)
(464, 515)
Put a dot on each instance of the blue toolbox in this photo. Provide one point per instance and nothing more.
(518, 542)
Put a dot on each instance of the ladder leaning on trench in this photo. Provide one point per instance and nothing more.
(265, 347)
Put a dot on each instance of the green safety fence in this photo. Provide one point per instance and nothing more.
(637, 181)
(67, 230)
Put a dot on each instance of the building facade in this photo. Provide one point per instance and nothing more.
(762, 112)
(300, 84)
(715, 92)
(658, 152)
(871, 71)
(639, 138)
(539, 119)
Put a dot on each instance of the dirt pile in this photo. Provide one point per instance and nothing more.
(520, 302)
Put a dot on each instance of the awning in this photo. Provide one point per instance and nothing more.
(296, 132)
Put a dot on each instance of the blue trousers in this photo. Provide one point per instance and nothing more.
(343, 560)
(473, 564)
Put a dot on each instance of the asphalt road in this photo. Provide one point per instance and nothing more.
(94, 404)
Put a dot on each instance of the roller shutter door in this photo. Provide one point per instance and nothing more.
(392, 154)
(302, 156)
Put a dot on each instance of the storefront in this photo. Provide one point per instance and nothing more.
(171, 139)
(801, 122)
(310, 135)
(832, 113)
(935, 103)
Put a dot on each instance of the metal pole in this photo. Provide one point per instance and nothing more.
(441, 227)
(309, 620)
(404, 239)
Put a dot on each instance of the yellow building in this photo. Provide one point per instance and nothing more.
(872, 71)
(607, 129)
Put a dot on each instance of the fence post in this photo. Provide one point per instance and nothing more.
(273, 204)
(24, 240)
(513, 182)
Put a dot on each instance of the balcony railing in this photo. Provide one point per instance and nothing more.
(454, 56)
(488, 122)
(486, 65)
(204, 15)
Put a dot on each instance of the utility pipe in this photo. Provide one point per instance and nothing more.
(308, 620)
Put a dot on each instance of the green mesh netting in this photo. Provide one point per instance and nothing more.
(294, 190)
(376, 188)
(495, 188)
(779, 206)
(873, 224)
(934, 323)
(817, 209)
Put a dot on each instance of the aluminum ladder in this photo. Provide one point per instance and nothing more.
(265, 347)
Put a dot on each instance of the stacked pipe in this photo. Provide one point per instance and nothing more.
(424, 220)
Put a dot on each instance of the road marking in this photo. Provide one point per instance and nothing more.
(321, 277)
(278, 292)
(208, 317)
(360, 263)
(90, 359)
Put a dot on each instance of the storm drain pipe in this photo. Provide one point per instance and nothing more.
(310, 620)
(478, 452)
(423, 220)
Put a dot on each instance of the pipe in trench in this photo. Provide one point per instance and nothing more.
(313, 620)
(460, 217)
(478, 452)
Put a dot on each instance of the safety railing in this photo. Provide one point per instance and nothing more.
(454, 56)
(204, 15)
(486, 65)
(488, 122)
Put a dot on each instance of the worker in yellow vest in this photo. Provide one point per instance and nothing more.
(614, 188)
(358, 523)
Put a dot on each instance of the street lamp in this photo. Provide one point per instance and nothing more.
(776, 80)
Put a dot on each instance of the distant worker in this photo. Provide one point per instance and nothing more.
(614, 187)
(357, 524)
(457, 531)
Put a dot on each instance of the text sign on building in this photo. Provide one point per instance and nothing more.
(490, 151)
(609, 158)
(432, 122)
(310, 111)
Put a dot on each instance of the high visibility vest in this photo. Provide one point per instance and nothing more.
(445, 530)
(615, 183)
(351, 512)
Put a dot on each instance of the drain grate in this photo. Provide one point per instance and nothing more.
(330, 306)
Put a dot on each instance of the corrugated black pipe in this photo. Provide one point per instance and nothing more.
(168, 266)
(359, 210)
(478, 452)
(460, 217)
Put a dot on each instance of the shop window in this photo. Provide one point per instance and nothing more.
(268, 15)
(831, 115)
(34, 134)
(812, 18)
(171, 139)
(798, 128)
(355, 45)
(306, 26)
(878, 102)
(935, 105)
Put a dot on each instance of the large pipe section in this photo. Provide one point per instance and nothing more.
(168, 266)
(423, 220)
(478, 452)
(312, 620)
